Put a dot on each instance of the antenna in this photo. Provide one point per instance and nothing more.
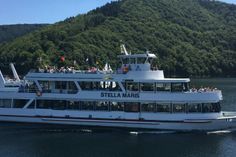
(123, 49)
(2, 80)
(14, 72)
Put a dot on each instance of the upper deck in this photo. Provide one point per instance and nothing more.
(135, 67)
(134, 81)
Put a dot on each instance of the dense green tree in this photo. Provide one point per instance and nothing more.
(190, 37)
(10, 32)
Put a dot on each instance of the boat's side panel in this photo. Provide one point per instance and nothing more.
(131, 120)
(185, 97)
(181, 126)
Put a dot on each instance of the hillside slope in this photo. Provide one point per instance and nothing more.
(10, 32)
(190, 37)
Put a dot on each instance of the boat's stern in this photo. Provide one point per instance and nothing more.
(228, 119)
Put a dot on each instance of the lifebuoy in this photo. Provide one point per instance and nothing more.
(125, 69)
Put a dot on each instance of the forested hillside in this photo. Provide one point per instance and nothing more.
(190, 37)
(10, 32)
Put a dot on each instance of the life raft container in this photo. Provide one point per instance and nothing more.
(125, 69)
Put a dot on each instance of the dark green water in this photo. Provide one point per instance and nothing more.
(18, 140)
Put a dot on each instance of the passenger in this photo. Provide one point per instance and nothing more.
(201, 89)
(193, 89)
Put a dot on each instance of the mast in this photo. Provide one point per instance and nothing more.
(123, 49)
(14, 72)
(2, 80)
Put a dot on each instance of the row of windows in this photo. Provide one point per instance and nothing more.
(58, 87)
(100, 85)
(134, 86)
(69, 87)
(8, 103)
(169, 87)
(113, 106)
(138, 60)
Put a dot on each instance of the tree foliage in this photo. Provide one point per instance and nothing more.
(10, 32)
(190, 37)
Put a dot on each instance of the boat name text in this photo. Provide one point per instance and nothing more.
(120, 95)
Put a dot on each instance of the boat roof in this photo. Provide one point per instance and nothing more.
(143, 55)
(96, 77)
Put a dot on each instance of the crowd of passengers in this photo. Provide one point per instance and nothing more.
(203, 89)
(53, 69)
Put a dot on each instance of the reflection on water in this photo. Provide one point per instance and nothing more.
(26, 140)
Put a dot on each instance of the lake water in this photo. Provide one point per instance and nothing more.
(24, 140)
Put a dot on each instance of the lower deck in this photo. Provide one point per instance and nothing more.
(142, 115)
(164, 121)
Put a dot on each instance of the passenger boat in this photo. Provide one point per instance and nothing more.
(135, 96)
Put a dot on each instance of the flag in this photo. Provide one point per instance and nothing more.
(62, 58)
(75, 62)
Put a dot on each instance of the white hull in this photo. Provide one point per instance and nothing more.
(133, 97)
(133, 124)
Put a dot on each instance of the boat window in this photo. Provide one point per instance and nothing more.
(72, 89)
(52, 104)
(87, 105)
(44, 104)
(148, 107)
(125, 60)
(32, 105)
(163, 87)
(150, 60)
(216, 107)
(109, 86)
(147, 87)
(5, 103)
(102, 85)
(59, 105)
(211, 107)
(73, 105)
(141, 60)
(28, 87)
(132, 107)
(186, 87)
(102, 106)
(105, 85)
(117, 106)
(163, 107)
(32, 87)
(45, 85)
(87, 85)
(115, 86)
(60, 85)
(207, 107)
(194, 108)
(131, 86)
(179, 107)
(19, 103)
(132, 61)
(177, 87)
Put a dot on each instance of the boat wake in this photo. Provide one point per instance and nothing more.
(220, 132)
(67, 130)
(151, 132)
